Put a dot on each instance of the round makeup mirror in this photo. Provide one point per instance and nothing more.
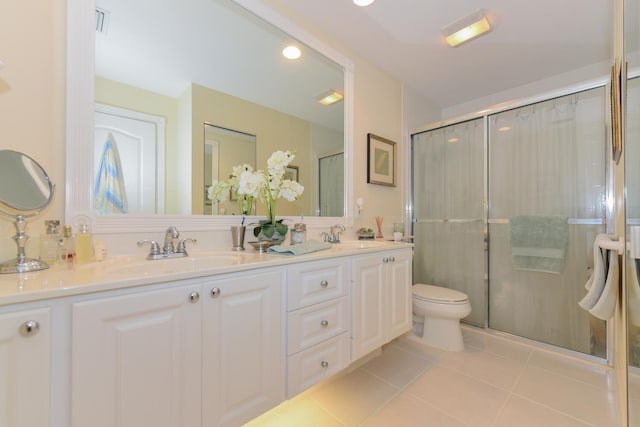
(25, 190)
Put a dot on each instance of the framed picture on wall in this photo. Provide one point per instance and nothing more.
(381, 161)
(291, 172)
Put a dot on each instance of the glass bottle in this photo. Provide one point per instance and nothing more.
(67, 250)
(84, 245)
(50, 241)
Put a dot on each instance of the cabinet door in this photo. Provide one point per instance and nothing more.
(400, 278)
(136, 360)
(243, 348)
(25, 368)
(368, 330)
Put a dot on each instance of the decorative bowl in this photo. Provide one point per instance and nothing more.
(261, 245)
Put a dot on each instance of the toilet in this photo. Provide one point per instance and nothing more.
(440, 310)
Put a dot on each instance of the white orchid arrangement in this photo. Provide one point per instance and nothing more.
(268, 186)
(219, 190)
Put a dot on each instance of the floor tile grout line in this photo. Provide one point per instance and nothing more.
(454, 416)
(551, 408)
(511, 391)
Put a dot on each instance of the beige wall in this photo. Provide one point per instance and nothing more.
(273, 130)
(32, 100)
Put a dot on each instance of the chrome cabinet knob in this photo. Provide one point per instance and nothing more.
(215, 292)
(29, 328)
(392, 259)
(324, 283)
(385, 260)
(324, 323)
(194, 297)
(324, 364)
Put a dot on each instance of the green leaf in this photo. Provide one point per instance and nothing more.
(268, 230)
(282, 228)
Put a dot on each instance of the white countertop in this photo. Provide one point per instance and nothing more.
(128, 271)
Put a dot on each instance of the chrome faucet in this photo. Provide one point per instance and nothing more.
(172, 233)
(333, 236)
(169, 249)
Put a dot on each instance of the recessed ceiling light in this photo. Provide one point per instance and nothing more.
(504, 128)
(363, 2)
(454, 139)
(467, 28)
(330, 97)
(292, 52)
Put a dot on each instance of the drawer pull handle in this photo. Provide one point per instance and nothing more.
(324, 283)
(392, 259)
(29, 328)
(385, 259)
(215, 292)
(194, 297)
(324, 364)
(324, 323)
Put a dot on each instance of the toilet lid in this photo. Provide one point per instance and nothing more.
(438, 293)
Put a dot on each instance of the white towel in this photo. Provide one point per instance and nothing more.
(595, 284)
(606, 305)
(602, 294)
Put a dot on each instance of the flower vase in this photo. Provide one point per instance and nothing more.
(267, 231)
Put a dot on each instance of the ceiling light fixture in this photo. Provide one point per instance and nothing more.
(292, 52)
(363, 2)
(330, 97)
(467, 28)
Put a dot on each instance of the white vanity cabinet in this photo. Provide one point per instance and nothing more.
(243, 369)
(381, 299)
(25, 367)
(317, 322)
(136, 359)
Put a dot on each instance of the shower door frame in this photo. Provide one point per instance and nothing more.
(607, 222)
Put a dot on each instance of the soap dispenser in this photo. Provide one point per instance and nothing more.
(84, 245)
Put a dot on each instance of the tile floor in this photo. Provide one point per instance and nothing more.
(495, 382)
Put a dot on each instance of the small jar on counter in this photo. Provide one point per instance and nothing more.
(298, 233)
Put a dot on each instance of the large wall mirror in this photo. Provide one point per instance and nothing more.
(153, 83)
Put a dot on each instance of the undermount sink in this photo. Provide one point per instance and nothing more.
(128, 266)
(359, 244)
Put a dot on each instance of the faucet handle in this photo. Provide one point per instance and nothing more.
(182, 245)
(155, 247)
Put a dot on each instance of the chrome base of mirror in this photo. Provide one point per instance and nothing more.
(24, 266)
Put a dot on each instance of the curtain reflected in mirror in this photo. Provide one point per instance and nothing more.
(331, 197)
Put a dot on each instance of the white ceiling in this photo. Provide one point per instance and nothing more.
(530, 40)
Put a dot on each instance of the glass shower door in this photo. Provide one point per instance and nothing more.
(448, 210)
(547, 173)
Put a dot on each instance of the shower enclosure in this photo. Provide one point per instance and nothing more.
(474, 180)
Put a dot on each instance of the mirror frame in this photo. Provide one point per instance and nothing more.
(79, 125)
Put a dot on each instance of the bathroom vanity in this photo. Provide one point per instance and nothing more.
(214, 339)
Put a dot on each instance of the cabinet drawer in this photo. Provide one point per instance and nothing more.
(312, 325)
(317, 363)
(314, 282)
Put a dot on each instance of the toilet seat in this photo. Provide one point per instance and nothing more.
(438, 294)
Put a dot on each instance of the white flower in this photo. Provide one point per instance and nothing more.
(237, 170)
(279, 160)
(218, 191)
(251, 183)
(290, 190)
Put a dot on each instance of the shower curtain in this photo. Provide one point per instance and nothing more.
(546, 158)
